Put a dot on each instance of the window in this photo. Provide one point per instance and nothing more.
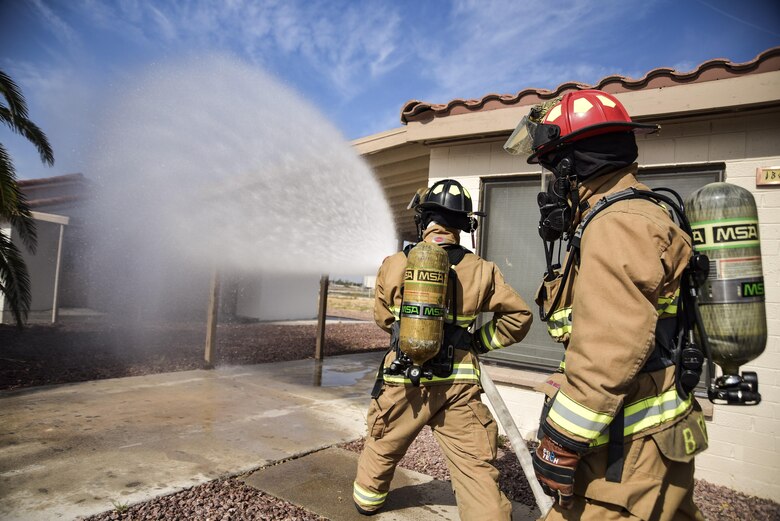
(510, 239)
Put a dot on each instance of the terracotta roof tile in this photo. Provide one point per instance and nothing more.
(53, 201)
(710, 70)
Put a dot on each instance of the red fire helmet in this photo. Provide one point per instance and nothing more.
(579, 115)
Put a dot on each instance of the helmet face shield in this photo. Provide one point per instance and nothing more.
(532, 132)
(416, 198)
(521, 142)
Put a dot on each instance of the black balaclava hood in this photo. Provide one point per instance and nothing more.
(446, 218)
(594, 156)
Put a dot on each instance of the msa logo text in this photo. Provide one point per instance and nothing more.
(698, 236)
(430, 276)
(752, 289)
(421, 311)
(410, 310)
(734, 233)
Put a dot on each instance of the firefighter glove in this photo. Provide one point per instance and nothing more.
(477, 345)
(554, 466)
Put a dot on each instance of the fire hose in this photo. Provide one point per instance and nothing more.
(544, 501)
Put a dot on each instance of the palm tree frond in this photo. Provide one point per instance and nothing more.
(15, 279)
(25, 227)
(29, 130)
(13, 204)
(8, 188)
(13, 96)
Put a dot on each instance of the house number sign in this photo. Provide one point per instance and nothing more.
(768, 176)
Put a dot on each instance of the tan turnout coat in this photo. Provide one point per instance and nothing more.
(631, 260)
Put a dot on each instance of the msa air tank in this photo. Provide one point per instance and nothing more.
(423, 305)
(724, 221)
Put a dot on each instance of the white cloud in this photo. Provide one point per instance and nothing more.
(165, 25)
(344, 44)
(512, 45)
(56, 25)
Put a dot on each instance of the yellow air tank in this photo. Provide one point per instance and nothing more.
(423, 306)
(724, 220)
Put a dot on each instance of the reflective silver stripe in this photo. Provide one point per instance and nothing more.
(578, 419)
(366, 497)
(650, 412)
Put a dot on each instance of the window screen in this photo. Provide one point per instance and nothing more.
(510, 239)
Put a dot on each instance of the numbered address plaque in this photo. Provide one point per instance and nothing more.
(768, 176)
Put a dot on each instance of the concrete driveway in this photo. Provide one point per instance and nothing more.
(72, 450)
(75, 450)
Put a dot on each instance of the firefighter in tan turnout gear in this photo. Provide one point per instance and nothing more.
(446, 393)
(618, 432)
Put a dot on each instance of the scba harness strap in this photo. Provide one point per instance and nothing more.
(455, 337)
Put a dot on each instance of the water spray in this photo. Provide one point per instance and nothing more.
(211, 162)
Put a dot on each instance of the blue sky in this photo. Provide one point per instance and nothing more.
(358, 61)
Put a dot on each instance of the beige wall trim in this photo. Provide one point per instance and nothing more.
(381, 141)
(51, 217)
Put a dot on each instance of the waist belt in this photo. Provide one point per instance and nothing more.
(441, 367)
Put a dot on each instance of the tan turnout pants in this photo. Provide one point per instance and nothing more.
(465, 430)
(653, 486)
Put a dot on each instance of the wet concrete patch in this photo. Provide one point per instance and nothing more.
(321, 482)
(132, 439)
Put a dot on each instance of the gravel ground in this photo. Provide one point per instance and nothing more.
(89, 350)
(92, 350)
(230, 499)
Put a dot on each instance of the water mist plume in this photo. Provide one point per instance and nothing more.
(212, 163)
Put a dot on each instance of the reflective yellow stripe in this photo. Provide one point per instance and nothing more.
(650, 412)
(578, 419)
(365, 497)
(462, 371)
(463, 321)
(396, 311)
(559, 332)
(490, 336)
(559, 323)
(667, 306)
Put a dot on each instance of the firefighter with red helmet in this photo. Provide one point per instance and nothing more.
(618, 432)
(447, 397)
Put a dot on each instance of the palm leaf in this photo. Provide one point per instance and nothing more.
(13, 96)
(13, 204)
(29, 130)
(14, 279)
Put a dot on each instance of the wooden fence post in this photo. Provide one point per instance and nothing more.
(211, 325)
(323, 309)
